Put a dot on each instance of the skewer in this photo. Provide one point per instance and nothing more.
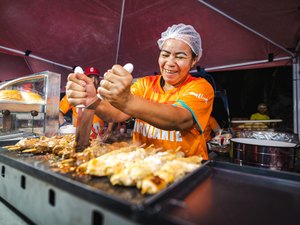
(150, 146)
(9, 146)
(67, 161)
(178, 149)
(157, 150)
(13, 148)
(30, 150)
(142, 146)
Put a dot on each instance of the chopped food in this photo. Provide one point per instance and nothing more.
(147, 168)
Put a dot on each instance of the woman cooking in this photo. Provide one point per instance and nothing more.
(171, 109)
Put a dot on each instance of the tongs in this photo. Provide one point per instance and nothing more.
(86, 115)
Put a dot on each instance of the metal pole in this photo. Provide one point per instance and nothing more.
(120, 31)
(296, 94)
(244, 64)
(246, 27)
(35, 57)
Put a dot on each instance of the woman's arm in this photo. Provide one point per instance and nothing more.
(115, 89)
(108, 113)
(80, 90)
(119, 104)
(163, 116)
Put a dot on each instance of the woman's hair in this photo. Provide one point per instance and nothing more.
(185, 33)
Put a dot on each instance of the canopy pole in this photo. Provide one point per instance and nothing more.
(296, 94)
(35, 57)
(246, 27)
(28, 64)
(244, 64)
(120, 31)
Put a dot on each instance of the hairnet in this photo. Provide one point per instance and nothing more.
(185, 33)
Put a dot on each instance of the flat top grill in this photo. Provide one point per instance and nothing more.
(215, 193)
(94, 189)
(231, 194)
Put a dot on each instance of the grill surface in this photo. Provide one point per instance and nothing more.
(216, 193)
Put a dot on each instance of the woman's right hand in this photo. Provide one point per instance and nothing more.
(115, 87)
(80, 89)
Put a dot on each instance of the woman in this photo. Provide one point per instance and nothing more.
(171, 109)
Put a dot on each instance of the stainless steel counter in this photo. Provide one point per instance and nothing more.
(9, 216)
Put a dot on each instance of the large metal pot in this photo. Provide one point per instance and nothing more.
(277, 155)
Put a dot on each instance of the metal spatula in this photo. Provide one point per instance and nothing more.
(83, 124)
(83, 128)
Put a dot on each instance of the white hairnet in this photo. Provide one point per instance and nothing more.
(185, 33)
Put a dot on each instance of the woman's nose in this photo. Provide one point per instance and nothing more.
(171, 61)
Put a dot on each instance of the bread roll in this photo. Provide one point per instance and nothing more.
(31, 97)
(10, 95)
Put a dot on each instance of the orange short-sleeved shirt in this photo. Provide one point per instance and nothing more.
(194, 94)
(98, 124)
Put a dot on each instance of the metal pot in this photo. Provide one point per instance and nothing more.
(277, 155)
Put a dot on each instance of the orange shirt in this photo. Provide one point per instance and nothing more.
(194, 94)
(98, 124)
(212, 125)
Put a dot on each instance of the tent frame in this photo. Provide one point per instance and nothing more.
(294, 58)
(296, 94)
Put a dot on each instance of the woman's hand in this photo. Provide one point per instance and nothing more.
(80, 89)
(115, 87)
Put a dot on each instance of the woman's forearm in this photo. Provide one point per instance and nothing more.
(163, 116)
(109, 113)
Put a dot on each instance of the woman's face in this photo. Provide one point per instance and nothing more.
(175, 61)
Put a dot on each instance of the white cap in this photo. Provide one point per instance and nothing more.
(185, 33)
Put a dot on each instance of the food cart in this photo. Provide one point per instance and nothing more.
(216, 192)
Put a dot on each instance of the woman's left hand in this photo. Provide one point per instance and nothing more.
(115, 87)
(79, 89)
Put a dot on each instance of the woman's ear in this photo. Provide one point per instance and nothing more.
(194, 62)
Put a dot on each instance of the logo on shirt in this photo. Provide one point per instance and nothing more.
(149, 131)
(199, 96)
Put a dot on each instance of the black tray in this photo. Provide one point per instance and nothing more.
(231, 194)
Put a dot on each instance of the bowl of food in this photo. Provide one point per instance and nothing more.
(220, 143)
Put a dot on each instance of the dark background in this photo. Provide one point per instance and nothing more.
(247, 88)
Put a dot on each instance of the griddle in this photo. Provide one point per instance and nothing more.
(120, 199)
(216, 193)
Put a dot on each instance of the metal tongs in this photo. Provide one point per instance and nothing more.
(86, 115)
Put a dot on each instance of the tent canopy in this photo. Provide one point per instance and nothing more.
(101, 33)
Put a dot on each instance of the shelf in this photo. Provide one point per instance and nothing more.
(257, 121)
